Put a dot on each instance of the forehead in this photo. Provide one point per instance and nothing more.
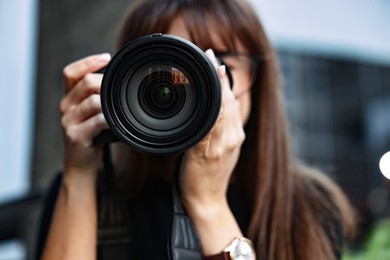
(214, 39)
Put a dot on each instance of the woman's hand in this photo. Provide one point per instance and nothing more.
(82, 117)
(207, 167)
(206, 170)
(73, 229)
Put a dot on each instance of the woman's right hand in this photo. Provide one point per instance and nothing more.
(73, 228)
(81, 115)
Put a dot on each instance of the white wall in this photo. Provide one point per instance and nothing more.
(358, 29)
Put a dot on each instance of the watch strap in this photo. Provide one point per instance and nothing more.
(220, 256)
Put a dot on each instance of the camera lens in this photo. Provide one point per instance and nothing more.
(145, 105)
(160, 94)
(162, 97)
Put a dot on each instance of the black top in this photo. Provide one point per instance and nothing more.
(151, 213)
(151, 218)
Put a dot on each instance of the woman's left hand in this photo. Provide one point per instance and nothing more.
(207, 167)
(206, 170)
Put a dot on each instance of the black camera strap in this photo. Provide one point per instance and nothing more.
(184, 241)
(115, 227)
(115, 234)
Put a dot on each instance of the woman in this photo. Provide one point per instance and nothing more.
(241, 180)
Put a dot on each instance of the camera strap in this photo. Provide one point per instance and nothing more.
(115, 234)
(184, 241)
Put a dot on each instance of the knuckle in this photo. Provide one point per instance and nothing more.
(235, 140)
(71, 134)
(95, 101)
(242, 135)
(89, 106)
(62, 106)
(81, 110)
(64, 122)
(216, 154)
(67, 71)
(88, 103)
(69, 76)
(100, 120)
(75, 136)
(90, 83)
(88, 80)
(231, 143)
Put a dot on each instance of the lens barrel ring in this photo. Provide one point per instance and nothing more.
(160, 128)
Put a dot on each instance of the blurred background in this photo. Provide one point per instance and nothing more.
(335, 60)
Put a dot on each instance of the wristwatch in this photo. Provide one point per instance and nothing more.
(240, 248)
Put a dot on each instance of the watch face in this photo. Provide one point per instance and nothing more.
(243, 250)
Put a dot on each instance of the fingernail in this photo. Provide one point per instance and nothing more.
(104, 57)
(210, 52)
(222, 70)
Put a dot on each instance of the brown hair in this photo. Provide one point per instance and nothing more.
(290, 204)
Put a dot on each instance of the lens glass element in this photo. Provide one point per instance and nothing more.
(160, 96)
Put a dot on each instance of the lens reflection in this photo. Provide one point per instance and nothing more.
(159, 97)
(162, 94)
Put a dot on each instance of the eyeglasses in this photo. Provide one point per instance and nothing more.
(243, 69)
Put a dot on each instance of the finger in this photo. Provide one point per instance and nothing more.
(78, 69)
(85, 132)
(90, 84)
(218, 126)
(215, 135)
(227, 129)
(86, 109)
(217, 130)
(221, 70)
(210, 54)
(223, 79)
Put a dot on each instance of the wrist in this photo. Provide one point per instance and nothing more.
(207, 209)
(79, 179)
(215, 224)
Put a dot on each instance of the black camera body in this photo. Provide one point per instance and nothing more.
(160, 94)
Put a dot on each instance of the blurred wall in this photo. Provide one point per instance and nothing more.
(340, 123)
(68, 30)
(357, 29)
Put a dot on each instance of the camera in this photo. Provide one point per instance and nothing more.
(160, 94)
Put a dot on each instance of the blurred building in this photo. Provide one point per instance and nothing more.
(335, 59)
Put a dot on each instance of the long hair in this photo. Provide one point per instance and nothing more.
(281, 195)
